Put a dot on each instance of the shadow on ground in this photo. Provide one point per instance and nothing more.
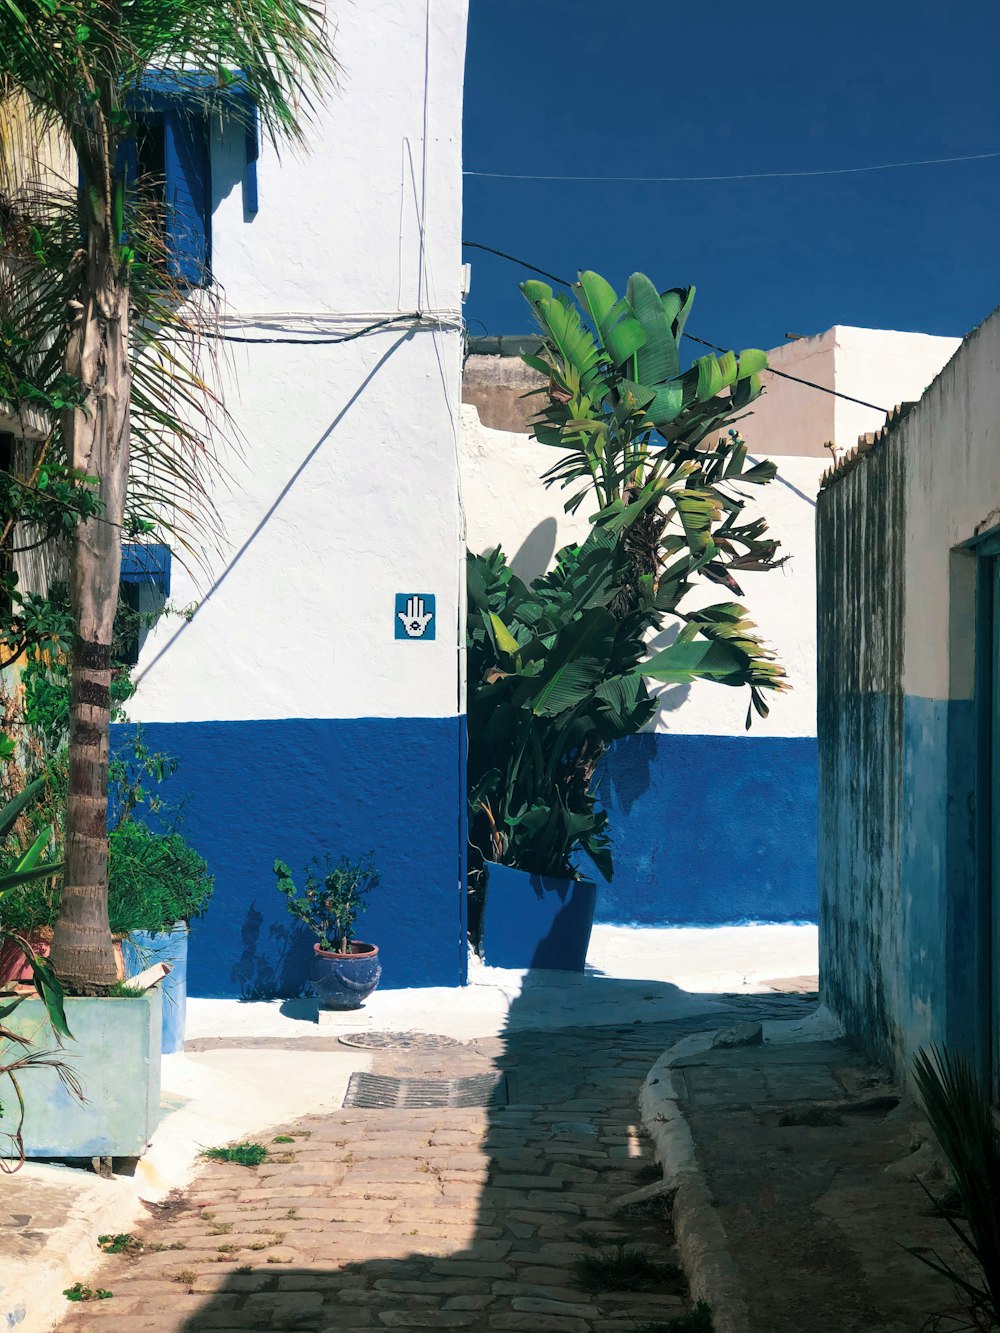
(450, 1217)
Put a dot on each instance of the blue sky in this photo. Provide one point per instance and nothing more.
(576, 87)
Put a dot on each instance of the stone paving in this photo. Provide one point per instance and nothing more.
(425, 1219)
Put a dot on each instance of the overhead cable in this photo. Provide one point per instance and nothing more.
(782, 374)
(739, 176)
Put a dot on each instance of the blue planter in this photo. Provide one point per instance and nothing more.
(345, 980)
(535, 920)
(142, 950)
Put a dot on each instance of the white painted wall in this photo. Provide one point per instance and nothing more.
(952, 446)
(878, 366)
(507, 505)
(347, 490)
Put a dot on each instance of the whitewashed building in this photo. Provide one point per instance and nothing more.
(314, 699)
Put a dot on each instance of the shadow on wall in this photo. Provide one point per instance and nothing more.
(536, 551)
(275, 966)
(456, 1225)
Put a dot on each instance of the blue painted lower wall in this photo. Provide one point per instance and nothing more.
(298, 788)
(710, 830)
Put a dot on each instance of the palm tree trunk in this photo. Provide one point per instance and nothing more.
(97, 441)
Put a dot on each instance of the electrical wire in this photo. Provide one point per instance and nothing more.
(741, 176)
(411, 317)
(782, 374)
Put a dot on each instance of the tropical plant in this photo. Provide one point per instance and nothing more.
(155, 878)
(17, 1057)
(617, 398)
(81, 64)
(557, 671)
(959, 1111)
(331, 899)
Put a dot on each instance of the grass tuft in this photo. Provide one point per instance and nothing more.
(624, 1268)
(121, 990)
(186, 1275)
(282, 1138)
(243, 1154)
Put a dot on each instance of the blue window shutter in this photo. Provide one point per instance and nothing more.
(188, 208)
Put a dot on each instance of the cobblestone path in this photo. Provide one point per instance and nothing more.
(423, 1219)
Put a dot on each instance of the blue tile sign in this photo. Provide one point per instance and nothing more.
(415, 618)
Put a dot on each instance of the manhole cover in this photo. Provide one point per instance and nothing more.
(399, 1041)
(380, 1092)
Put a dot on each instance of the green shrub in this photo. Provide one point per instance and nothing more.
(155, 880)
(331, 899)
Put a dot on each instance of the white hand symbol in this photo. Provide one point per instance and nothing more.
(415, 618)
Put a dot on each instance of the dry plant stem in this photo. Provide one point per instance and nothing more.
(98, 443)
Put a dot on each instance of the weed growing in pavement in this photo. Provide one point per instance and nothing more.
(78, 1292)
(623, 1268)
(186, 1275)
(698, 1320)
(221, 1229)
(243, 1154)
(244, 1268)
(282, 1138)
(123, 1242)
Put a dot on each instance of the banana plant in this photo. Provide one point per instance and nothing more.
(558, 671)
(617, 397)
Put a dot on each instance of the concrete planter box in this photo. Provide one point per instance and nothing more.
(116, 1057)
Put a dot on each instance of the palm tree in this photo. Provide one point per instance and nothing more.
(82, 65)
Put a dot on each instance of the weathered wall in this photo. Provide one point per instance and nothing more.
(860, 546)
(902, 957)
(302, 724)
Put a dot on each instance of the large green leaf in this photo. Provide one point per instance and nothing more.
(599, 298)
(12, 810)
(696, 659)
(622, 334)
(657, 359)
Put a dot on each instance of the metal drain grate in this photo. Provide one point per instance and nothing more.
(379, 1092)
(399, 1041)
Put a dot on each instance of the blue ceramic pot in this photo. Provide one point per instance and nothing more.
(536, 920)
(345, 980)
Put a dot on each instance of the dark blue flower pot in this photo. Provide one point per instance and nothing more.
(345, 980)
(536, 920)
(142, 950)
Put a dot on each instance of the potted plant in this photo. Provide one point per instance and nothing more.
(157, 882)
(344, 970)
(557, 670)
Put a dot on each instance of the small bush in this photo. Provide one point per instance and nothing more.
(243, 1154)
(123, 1242)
